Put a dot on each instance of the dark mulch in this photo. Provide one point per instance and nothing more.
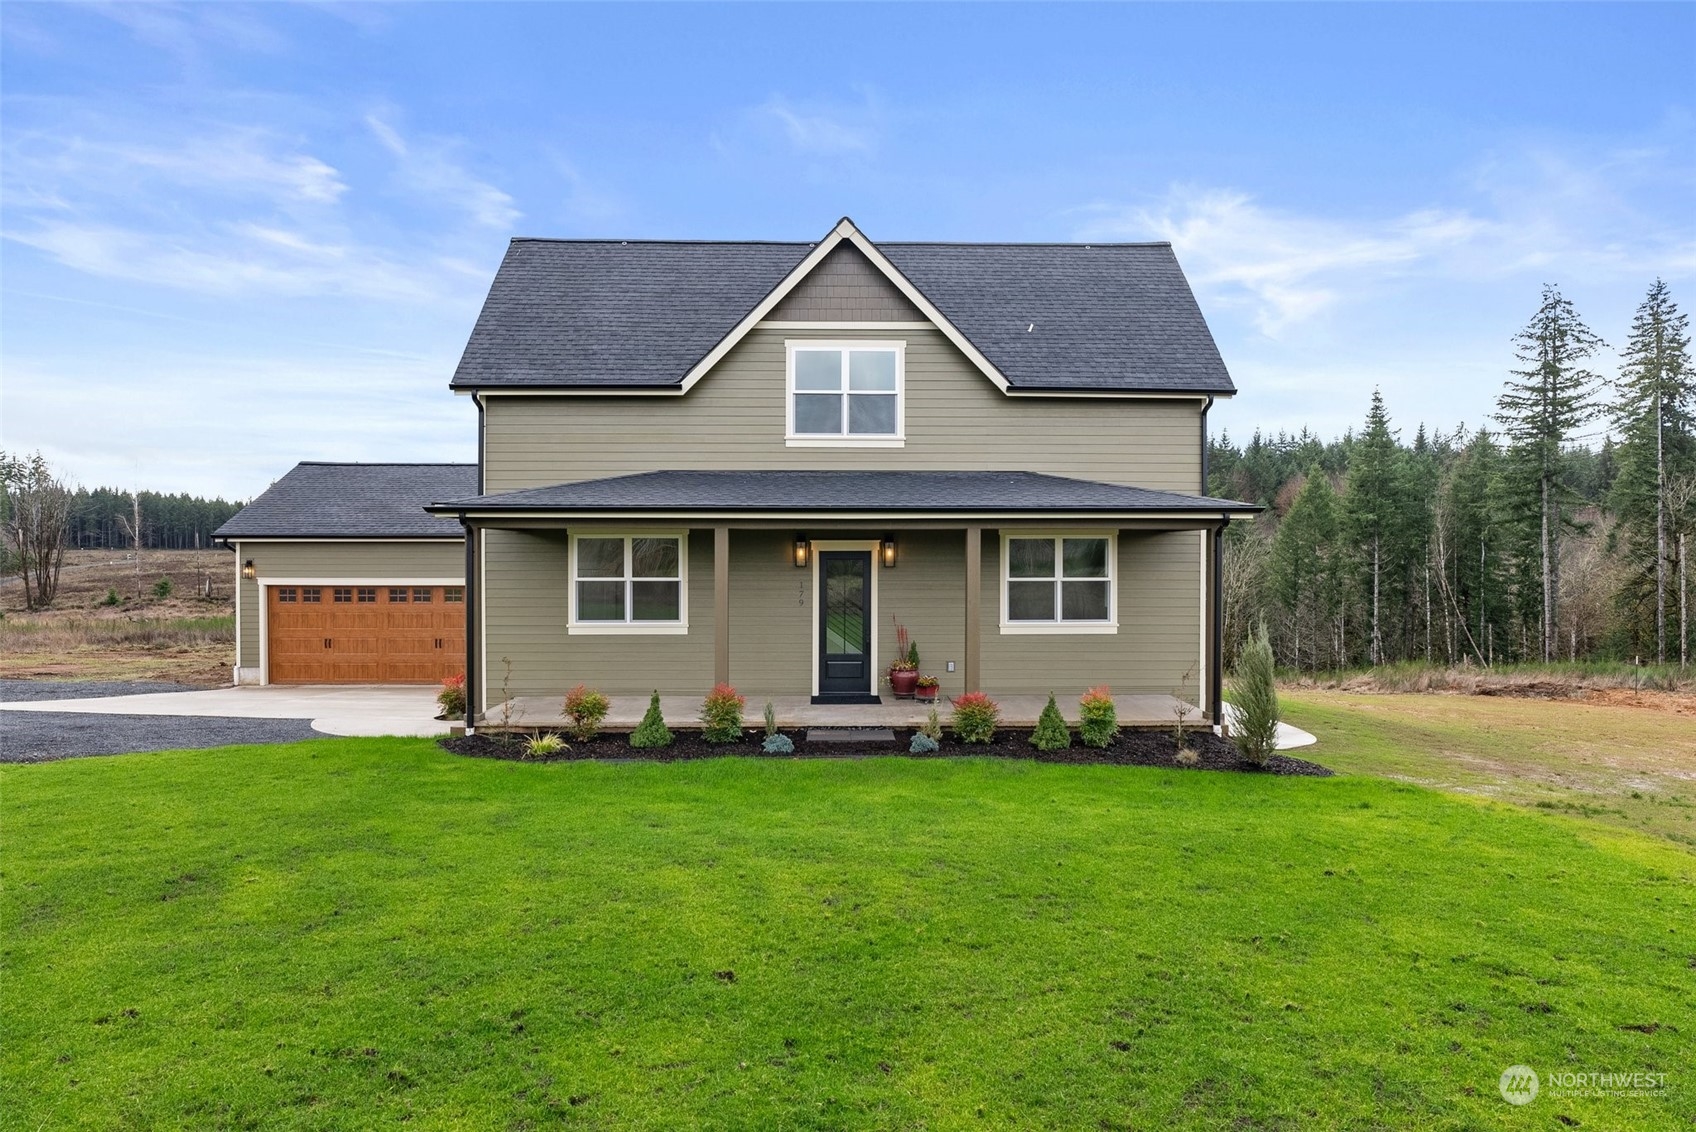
(1131, 748)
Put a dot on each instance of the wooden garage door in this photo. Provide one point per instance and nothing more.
(379, 634)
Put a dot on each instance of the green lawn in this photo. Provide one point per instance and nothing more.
(349, 933)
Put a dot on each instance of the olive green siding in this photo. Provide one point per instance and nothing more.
(352, 561)
(846, 287)
(1156, 651)
(956, 420)
(771, 620)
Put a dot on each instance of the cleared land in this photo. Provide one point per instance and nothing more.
(347, 933)
(1616, 756)
(184, 638)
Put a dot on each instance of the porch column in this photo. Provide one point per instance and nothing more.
(473, 627)
(721, 605)
(974, 588)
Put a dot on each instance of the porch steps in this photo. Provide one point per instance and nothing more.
(850, 735)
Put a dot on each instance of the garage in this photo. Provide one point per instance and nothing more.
(343, 578)
(365, 634)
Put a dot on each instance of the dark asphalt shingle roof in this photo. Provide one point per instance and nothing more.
(317, 500)
(639, 313)
(824, 492)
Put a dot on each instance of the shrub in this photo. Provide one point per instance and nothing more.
(931, 728)
(771, 720)
(922, 744)
(1186, 756)
(778, 744)
(452, 697)
(111, 598)
(541, 746)
(1051, 733)
(913, 655)
(652, 731)
(721, 714)
(1098, 719)
(975, 718)
(586, 708)
(162, 588)
(1254, 700)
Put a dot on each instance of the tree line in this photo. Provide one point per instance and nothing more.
(1522, 541)
(101, 518)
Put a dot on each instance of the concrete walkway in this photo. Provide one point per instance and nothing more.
(333, 709)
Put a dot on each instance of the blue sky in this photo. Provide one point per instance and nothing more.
(236, 237)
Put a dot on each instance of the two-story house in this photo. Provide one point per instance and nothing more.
(704, 462)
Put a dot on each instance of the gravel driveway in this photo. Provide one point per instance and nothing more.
(44, 736)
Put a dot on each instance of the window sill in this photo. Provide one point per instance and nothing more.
(1055, 628)
(631, 629)
(845, 441)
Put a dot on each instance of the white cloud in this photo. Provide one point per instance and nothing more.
(428, 168)
(820, 129)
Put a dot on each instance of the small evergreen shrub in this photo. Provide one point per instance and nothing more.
(771, 720)
(1254, 700)
(162, 588)
(778, 744)
(721, 714)
(922, 744)
(111, 598)
(931, 728)
(452, 697)
(913, 655)
(975, 718)
(652, 731)
(586, 708)
(1098, 719)
(1051, 733)
(541, 746)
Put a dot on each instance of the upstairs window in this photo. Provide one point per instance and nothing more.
(846, 393)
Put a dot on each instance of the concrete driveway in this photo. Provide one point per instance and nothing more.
(337, 709)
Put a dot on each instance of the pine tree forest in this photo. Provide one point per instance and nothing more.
(1560, 530)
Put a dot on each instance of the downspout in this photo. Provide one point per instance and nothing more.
(1204, 445)
(482, 428)
(1216, 680)
(473, 632)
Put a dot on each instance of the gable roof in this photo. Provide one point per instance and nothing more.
(318, 500)
(651, 315)
(822, 493)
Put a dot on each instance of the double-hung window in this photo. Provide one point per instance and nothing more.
(846, 393)
(1058, 583)
(633, 583)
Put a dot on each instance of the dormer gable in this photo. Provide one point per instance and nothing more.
(846, 286)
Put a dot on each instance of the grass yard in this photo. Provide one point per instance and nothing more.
(1630, 766)
(348, 933)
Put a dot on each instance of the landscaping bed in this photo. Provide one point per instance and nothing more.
(1131, 748)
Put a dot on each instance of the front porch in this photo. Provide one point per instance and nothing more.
(545, 713)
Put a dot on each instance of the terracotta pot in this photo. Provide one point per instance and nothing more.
(928, 695)
(903, 681)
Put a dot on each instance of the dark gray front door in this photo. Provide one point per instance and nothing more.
(845, 623)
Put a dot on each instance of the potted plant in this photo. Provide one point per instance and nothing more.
(925, 688)
(904, 669)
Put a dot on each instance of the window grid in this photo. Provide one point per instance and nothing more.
(367, 594)
(846, 392)
(1059, 580)
(453, 593)
(343, 593)
(312, 594)
(642, 592)
(421, 595)
(397, 594)
(286, 595)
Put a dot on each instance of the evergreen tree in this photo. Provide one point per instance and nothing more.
(1301, 573)
(1540, 407)
(1372, 510)
(1653, 414)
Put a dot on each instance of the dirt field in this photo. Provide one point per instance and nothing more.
(187, 638)
(1612, 755)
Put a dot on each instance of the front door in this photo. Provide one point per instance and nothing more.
(845, 624)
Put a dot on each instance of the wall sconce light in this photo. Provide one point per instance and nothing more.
(248, 571)
(803, 549)
(887, 549)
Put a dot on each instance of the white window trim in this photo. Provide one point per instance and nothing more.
(677, 628)
(1063, 628)
(793, 439)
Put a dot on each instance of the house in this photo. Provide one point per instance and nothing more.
(343, 578)
(704, 462)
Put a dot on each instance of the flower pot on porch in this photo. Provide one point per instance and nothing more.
(925, 693)
(903, 682)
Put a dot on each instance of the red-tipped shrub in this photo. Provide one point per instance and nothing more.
(975, 718)
(721, 714)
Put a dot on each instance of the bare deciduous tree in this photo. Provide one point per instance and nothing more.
(37, 512)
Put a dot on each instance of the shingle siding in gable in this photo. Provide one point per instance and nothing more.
(846, 287)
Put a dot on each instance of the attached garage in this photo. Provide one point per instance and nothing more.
(342, 578)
